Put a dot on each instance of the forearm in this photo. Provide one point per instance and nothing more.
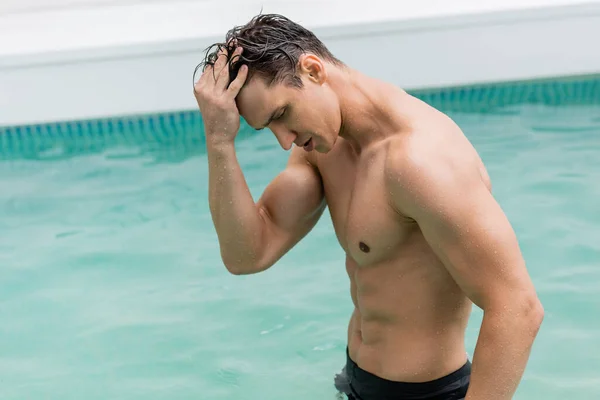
(234, 213)
(502, 351)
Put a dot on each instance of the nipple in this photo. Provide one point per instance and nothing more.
(363, 246)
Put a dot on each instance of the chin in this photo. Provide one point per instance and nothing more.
(324, 148)
(326, 144)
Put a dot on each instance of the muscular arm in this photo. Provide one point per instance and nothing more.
(253, 236)
(469, 232)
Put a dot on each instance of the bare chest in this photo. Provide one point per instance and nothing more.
(365, 221)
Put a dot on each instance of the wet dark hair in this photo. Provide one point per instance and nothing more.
(272, 47)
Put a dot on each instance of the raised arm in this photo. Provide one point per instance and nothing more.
(253, 236)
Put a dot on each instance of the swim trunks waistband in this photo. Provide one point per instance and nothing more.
(367, 386)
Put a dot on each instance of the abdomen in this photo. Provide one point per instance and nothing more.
(410, 318)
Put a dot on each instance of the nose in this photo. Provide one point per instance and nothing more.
(284, 136)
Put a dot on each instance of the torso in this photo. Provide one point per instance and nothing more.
(410, 316)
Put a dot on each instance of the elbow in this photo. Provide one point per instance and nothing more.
(240, 267)
(536, 313)
(531, 312)
(238, 270)
(525, 313)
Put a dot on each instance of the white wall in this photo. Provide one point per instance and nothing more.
(101, 61)
(20, 6)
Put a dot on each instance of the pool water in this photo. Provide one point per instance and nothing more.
(113, 288)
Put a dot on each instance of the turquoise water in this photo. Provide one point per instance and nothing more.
(112, 285)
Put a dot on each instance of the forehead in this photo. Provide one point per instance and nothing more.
(256, 101)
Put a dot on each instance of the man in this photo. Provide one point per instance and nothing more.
(411, 205)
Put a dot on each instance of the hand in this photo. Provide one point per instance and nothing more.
(216, 98)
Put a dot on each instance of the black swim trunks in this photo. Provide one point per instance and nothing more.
(359, 384)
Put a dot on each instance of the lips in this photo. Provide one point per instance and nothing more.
(308, 145)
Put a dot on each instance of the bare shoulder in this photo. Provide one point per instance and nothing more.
(433, 170)
(301, 176)
(436, 180)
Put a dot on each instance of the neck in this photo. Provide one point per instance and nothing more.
(368, 108)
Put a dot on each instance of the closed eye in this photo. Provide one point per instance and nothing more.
(273, 118)
(282, 114)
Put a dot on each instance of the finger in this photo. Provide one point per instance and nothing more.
(223, 77)
(238, 82)
(194, 81)
(203, 81)
(221, 61)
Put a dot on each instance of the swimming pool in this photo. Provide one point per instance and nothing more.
(113, 288)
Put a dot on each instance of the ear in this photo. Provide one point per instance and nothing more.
(313, 68)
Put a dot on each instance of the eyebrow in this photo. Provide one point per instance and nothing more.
(269, 120)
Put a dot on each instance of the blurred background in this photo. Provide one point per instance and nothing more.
(112, 286)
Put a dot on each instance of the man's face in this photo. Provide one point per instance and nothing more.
(308, 117)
